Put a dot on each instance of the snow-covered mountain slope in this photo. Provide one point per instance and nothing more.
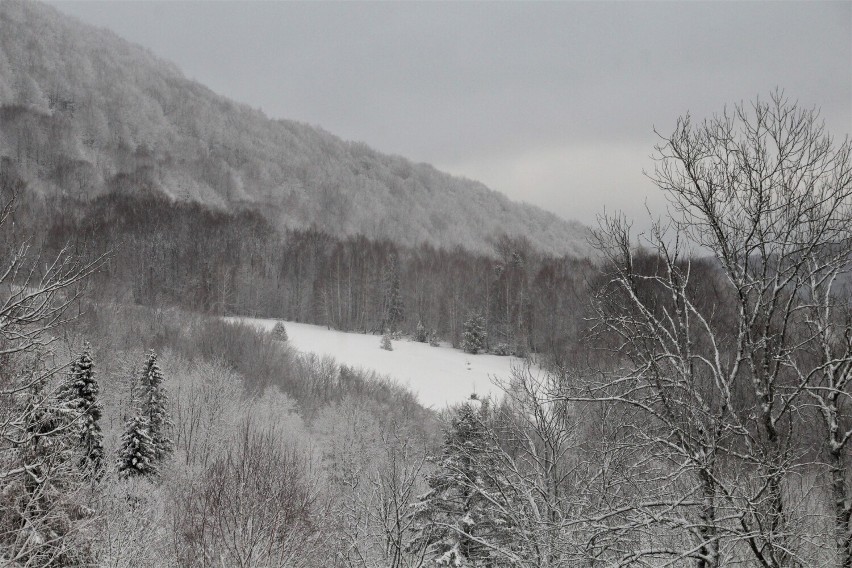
(83, 112)
(438, 375)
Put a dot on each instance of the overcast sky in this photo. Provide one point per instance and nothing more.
(551, 103)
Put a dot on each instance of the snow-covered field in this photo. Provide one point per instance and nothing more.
(439, 375)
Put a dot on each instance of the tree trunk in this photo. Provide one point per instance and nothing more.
(842, 510)
(709, 537)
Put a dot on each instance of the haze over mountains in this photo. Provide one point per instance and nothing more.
(83, 112)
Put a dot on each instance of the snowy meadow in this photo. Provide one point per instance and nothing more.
(439, 376)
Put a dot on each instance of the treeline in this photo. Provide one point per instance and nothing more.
(168, 253)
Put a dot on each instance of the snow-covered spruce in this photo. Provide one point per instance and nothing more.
(37, 510)
(474, 337)
(461, 520)
(79, 394)
(393, 308)
(154, 408)
(386, 342)
(420, 333)
(279, 332)
(137, 456)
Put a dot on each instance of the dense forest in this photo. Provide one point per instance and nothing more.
(165, 253)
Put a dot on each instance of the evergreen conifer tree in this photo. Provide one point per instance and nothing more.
(386, 342)
(394, 310)
(154, 409)
(79, 394)
(280, 331)
(462, 518)
(474, 335)
(420, 334)
(137, 456)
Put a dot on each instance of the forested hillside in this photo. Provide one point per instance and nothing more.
(84, 113)
(185, 255)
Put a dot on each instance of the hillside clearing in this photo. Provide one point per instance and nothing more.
(438, 375)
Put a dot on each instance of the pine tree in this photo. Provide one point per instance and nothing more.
(154, 409)
(474, 336)
(461, 519)
(79, 394)
(138, 453)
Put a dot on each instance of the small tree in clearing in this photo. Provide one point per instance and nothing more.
(386, 342)
(420, 333)
(433, 338)
(474, 336)
(279, 332)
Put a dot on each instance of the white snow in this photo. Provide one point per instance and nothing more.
(438, 375)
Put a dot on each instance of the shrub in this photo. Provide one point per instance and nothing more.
(433, 338)
(502, 349)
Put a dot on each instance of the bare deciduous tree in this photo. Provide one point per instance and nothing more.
(255, 506)
(40, 514)
(723, 380)
(375, 526)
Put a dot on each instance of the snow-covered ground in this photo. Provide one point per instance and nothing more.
(439, 375)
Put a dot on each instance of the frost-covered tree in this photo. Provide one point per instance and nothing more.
(722, 359)
(40, 508)
(393, 308)
(138, 453)
(386, 341)
(420, 333)
(154, 408)
(474, 336)
(463, 520)
(279, 331)
(80, 395)
(39, 511)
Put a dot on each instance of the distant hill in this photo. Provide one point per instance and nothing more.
(83, 112)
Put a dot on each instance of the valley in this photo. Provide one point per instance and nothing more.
(232, 340)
